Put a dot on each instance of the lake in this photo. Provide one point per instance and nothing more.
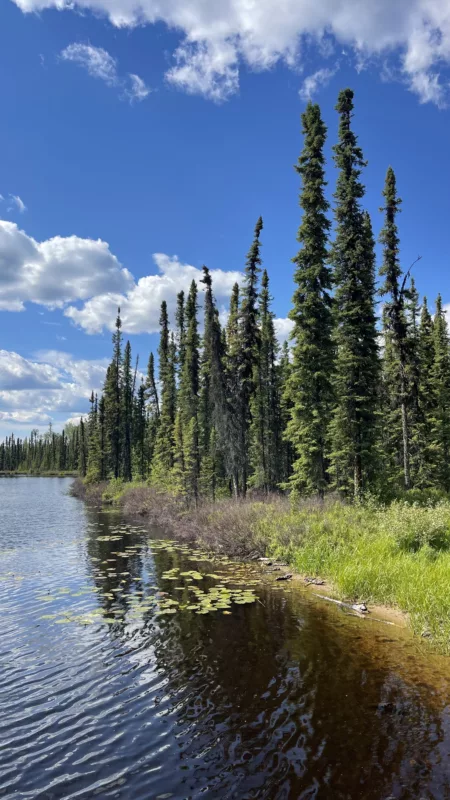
(135, 668)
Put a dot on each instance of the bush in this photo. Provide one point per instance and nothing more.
(113, 490)
(415, 526)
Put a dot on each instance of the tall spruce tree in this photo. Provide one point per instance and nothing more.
(232, 348)
(180, 330)
(286, 403)
(440, 421)
(152, 407)
(213, 412)
(396, 326)
(93, 467)
(265, 428)
(127, 413)
(424, 432)
(309, 387)
(113, 403)
(188, 396)
(163, 454)
(353, 428)
(102, 438)
(82, 454)
(412, 311)
(249, 344)
(140, 456)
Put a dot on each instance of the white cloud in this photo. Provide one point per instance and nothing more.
(74, 419)
(100, 64)
(56, 271)
(220, 36)
(33, 390)
(18, 202)
(140, 306)
(97, 61)
(17, 372)
(137, 90)
(24, 418)
(283, 328)
(314, 82)
(64, 270)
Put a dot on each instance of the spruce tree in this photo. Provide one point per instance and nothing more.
(163, 454)
(309, 387)
(440, 421)
(396, 327)
(249, 344)
(152, 408)
(140, 460)
(356, 375)
(82, 456)
(102, 438)
(93, 467)
(188, 395)
(286, 404)
(426, 401)
(213, 412)
(265, 429)
(180, 330)
(127, 413)
(412, 311)
(233, 420)
(113, 403)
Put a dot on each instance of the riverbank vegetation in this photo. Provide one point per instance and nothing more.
(352, 417)
(396, 555)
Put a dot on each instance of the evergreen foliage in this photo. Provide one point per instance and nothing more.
(356, 371)
(309, 388)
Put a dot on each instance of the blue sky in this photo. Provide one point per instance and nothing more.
(128, 132)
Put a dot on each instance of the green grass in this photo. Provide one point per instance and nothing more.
(396, 556)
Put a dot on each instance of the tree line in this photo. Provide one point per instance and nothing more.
(356, 404)
(48, 452)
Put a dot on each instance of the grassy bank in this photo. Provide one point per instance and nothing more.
(398, 555)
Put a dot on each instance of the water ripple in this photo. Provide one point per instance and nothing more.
(283, 699)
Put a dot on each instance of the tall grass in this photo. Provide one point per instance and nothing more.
(397, 555)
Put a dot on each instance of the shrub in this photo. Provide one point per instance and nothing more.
(412, 526)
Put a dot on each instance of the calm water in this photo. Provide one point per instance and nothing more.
(283, 698)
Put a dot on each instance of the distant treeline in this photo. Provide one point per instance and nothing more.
(50, 452)
(354, 406)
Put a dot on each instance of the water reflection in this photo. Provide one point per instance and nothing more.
(285, 698)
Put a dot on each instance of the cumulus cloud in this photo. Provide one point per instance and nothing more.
(62, 271)
(17, 372)
(56, 271)
(219, 37)
(32, 390)
(283, 328)
(100, 64)
(314, 82)
(24, 418)
(140, 306)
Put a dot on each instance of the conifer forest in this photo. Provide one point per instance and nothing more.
(357, 402)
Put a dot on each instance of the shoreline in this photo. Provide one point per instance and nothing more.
(192, 527)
